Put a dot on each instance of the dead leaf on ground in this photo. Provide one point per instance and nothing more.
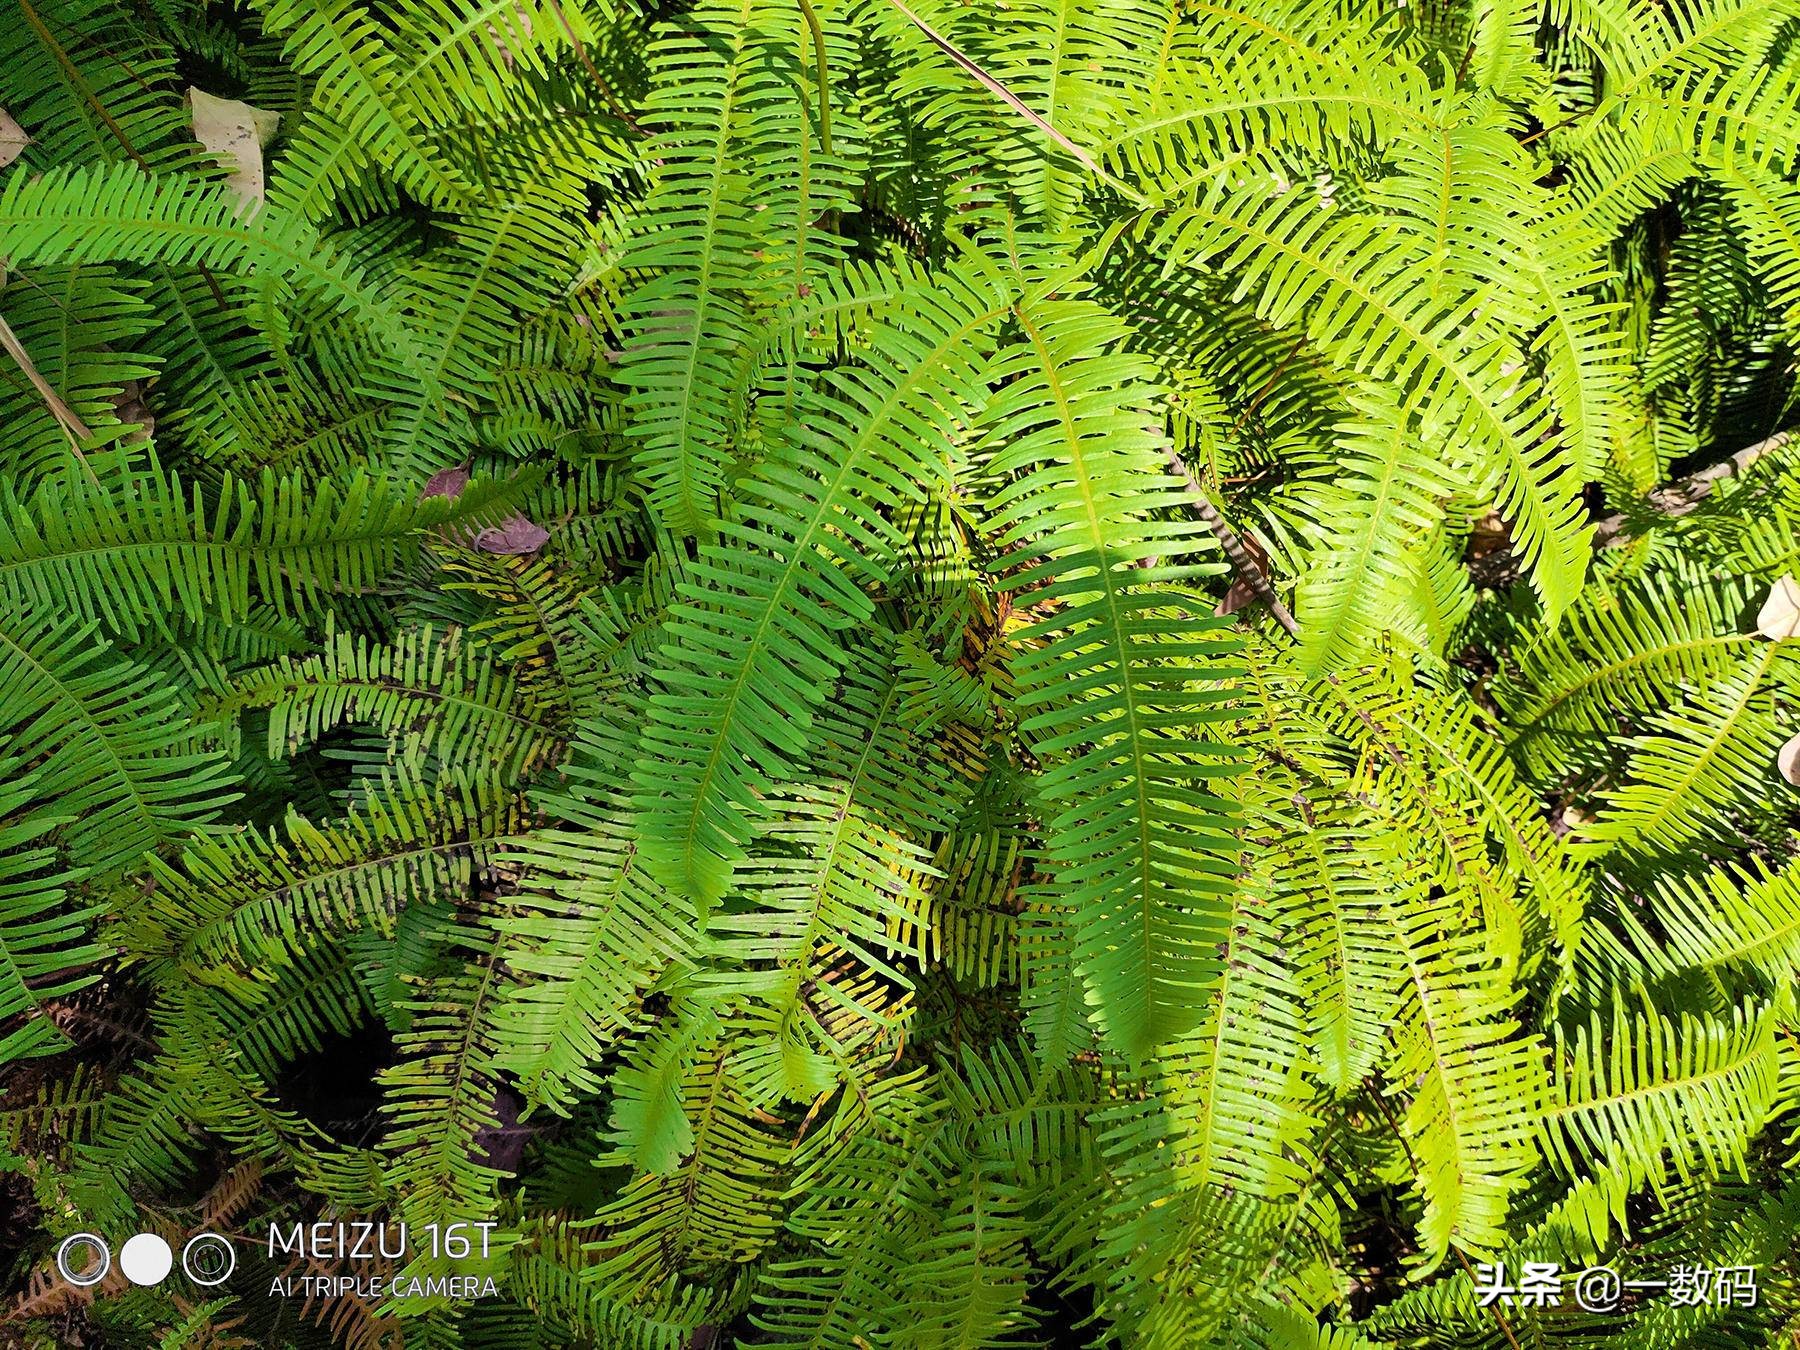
(1491, 535)
(1779, 616)
(446, 483)
(235, 133)
(516, 535)
(131, 408)
(1573, 820)
(13, 139)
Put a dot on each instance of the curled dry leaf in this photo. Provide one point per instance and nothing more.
(235, 133)
(13, 139)
(1779, 616)
(1787, 759)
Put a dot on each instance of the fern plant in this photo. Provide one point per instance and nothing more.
(900, 673)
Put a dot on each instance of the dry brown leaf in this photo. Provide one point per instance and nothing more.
(1787, 759)
(1779, 616)
(1572, 821)
(515, 535)
(235, 134)
(1491, 535)
(132, 409)
(13, 139)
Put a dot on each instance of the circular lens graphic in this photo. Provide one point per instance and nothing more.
(94, 1269)
(145, 1258)
(208, 1259)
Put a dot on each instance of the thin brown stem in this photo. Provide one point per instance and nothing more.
(73, 428)
(1683, 495)
(1241, 558)
(78, 82)
(593, 71)
(1017, 104)
(1256, 400)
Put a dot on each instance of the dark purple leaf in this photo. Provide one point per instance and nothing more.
(516, 535)
(446, 483)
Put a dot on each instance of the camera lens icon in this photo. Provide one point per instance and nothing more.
(83, 1259)
(208, 1259)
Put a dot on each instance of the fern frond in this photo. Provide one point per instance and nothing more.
(242, 903)
(1119, 684)
(1476, 1080)
(1716, 748)
(1646, 1096)
(720, 79)
(132, 552)
(833, 885)
(1353, 287)
(72, 216)
(1768, 213)
(93, 83)
(1617, 652)
(1728, 919)
(123, 770)
(1327, 883)
(471, 711)
(587, 934)
(753, 642)
(44, 941)
(1389, 495)
(720, 1204)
